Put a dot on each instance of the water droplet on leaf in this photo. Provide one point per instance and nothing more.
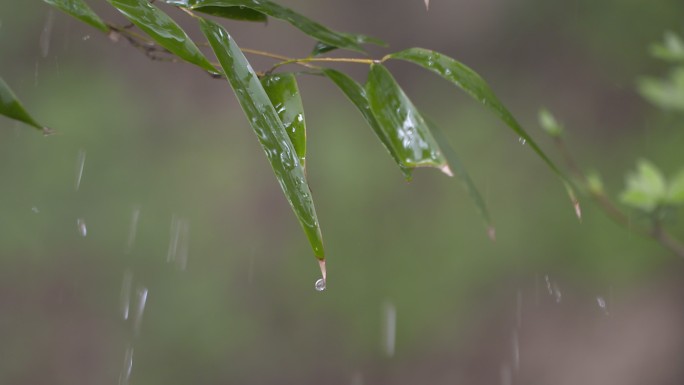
(522, 140)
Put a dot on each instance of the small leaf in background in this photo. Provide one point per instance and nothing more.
(269, 130)
(668, 93)
(594, 183)
(671, 49)
(357, 95)
(469, 81)
(235, 13)
(549, 123)
(306, 25)
(402, 124)
(675, 190)
(160, 27)
(646, 188)
(80, 10)
(12, 108)
(283, 91)
(460, 171)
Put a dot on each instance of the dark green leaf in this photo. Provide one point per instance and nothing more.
(80, 10)
(283, 91)
(357, 95)
(407, 131)
(269, 129)
(321, 48)
(306, 25)
(163, 30)
(12, 108)
(469, 81)
(460, 171)
(235, 13)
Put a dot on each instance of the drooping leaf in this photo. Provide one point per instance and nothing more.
(80, 10)
(646, 188)
(303, 23)
(12, 108)
(399, 119)
(283, 91)
(235, 13)
(269, 130)
(469, 81)
(460, 171)
(357, 95)
(160, 27)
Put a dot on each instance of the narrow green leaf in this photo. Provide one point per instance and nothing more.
(235, 13)
(357, 95)
(269, 130)
(80, 10)
(163, 30)
(12, 108)
(460, 171)
(306, 25)
(283, 91)
(399, 119)
(469, 81)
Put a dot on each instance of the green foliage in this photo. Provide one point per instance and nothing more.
(667, 93)
(11, 107)
(274, 108)
(548, 122)
(648, 190)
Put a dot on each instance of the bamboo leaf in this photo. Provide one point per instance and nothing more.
(160, 27)
(407, 131)
(80, 10)
(269, 130)
(303, 23)
(283, 91)
(460, 171)
(12, 108)
(357, 95)
(235, 13)
(469, 81)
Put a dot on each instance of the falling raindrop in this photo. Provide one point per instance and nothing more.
(80, 162)
(320, 284)
(86, 37)
(141, 300)
(125, 376)
(82, 230)
(557, 293)
(516, 350)
(132, 229)
(548, 284)
(518, 308)
(35, 210)
(522, 140)
(601, 302)
(390, 327)
(178, 242)
(125, 298)
(506, 374)
(46, 34)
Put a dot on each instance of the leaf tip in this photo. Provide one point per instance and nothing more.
(324, 273)
(427, 5)
(446, 169)
(578, 210)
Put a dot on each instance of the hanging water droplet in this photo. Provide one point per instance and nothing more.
(522, 140)
(320, 284)
(82, 230)
(80, 162)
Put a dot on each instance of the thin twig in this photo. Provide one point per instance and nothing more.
(656, 232)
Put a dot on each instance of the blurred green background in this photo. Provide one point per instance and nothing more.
(417, 293)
